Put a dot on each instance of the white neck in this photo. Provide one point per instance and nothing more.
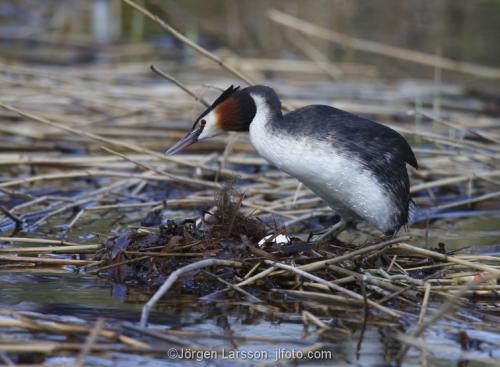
(264, 139)
(260, 134)
(263, 112)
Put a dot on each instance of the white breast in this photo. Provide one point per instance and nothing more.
(341, 181)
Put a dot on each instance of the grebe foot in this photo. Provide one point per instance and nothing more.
(333, 231)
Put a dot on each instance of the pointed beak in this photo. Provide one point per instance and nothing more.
(189, 139)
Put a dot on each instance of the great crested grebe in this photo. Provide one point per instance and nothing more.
(356, 165)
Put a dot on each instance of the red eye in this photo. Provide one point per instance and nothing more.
(203, 122)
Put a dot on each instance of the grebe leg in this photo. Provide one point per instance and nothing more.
(333, 231)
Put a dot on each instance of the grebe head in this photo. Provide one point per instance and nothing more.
(233, 110)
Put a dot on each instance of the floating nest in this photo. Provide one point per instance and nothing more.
(387, 273)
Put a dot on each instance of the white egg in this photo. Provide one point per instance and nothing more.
(280, 239)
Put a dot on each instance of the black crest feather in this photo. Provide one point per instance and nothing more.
(225, 95)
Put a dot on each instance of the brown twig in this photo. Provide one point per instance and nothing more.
(180, 85)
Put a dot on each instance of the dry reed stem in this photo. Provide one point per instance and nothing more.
(448, 258)
(179, 36)
(38, 240)
(311, 29)
(321, 61)
(320, 264)
(425, 302)
(89, 343)
(326, 297)
(114, 265)
(308, 317)
(445, 309)
(487, 196)
(171, 79)
(453, 180)
(333, 286)
(28, 321)
(249, 296)
(445, 349)
(75, 249)
(46, 260)
(147, 167)
(112, 142)
(174, 276)
(485, 135)
(163, 336)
